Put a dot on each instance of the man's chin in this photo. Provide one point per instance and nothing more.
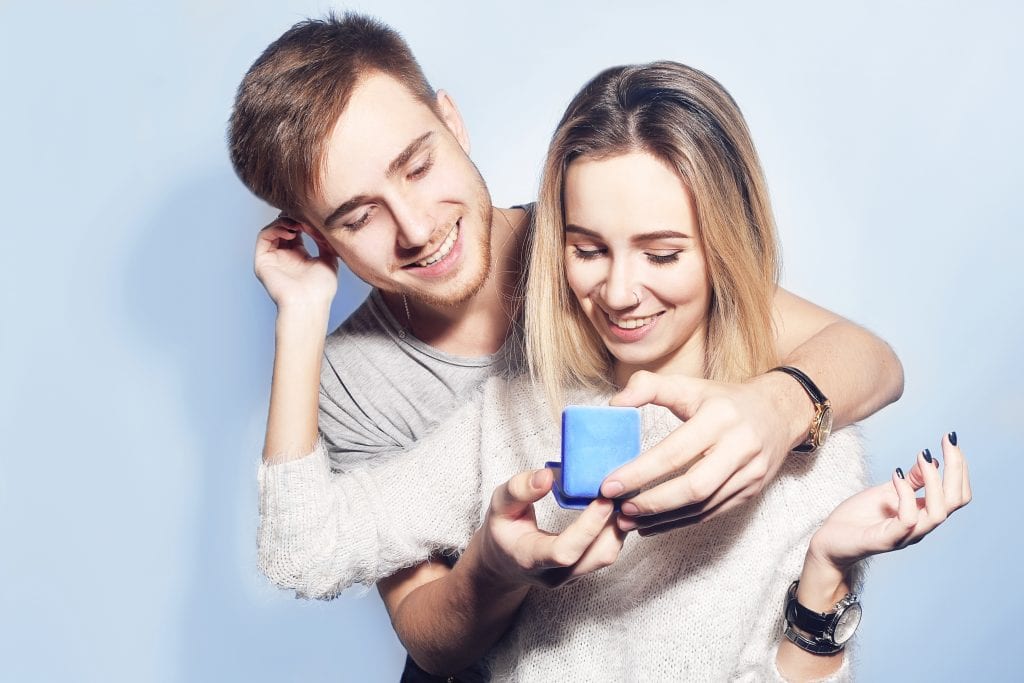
(454, 296)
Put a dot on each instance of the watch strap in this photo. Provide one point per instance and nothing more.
(809, 386)
(805, 619)
(817, 647)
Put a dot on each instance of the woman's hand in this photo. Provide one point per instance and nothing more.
(889, 516)
(289, 273)
(728, 449)
(513, 553)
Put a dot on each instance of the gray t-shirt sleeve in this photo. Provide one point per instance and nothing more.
(382, 390)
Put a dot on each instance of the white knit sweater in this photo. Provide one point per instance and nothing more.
(700, 603)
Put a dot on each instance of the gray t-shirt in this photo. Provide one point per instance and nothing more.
(382, 389)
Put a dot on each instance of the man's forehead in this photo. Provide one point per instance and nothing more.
(381, 103)
(381, 118)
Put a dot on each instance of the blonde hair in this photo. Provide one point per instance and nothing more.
(685, 118)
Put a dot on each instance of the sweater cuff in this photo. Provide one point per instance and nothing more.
(844, 674)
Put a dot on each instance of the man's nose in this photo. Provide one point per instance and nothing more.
(414, 226)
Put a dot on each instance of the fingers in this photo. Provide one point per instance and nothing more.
(568, 547)
(602, 552)
(515, 496)
(678, 393)
(907, 508)
(934, 496)
(718, 476)
(955, 481)
(670, 456)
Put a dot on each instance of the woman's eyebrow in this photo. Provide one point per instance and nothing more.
(570, 227)
(660, 235)
(643, 237)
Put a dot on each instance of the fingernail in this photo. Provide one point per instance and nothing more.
(535, 480)
(630, 509)
(927, 455)
(899, 473)
(627, 524)
(612, 488)
(952, 438)
(935, 461)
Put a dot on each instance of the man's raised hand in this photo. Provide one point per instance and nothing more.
(291, 276)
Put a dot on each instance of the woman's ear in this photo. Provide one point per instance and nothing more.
(451, 117)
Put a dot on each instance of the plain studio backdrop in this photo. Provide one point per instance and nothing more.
(136, 343)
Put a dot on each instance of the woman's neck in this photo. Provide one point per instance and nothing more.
(688, 360)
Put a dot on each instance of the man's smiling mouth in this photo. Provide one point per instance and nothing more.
(443, 250)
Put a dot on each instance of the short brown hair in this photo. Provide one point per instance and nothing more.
(291, 97)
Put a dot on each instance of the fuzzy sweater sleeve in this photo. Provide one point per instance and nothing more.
(840, 473)
(322, 531)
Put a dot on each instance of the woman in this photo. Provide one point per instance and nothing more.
(654, 255)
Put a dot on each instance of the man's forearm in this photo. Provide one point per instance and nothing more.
(450, 623)
(857, 371)
(294, 393)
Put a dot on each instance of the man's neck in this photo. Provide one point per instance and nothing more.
(479, 326)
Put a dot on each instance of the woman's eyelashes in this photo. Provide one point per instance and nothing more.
(663, 257)
(587, 253)
(659, 258)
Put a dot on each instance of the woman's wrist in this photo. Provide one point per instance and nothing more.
(486, 578)
(822, 583)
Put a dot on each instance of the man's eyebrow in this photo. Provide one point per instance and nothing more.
(402, 159)
(394, 167)
(344, 208)
(643, 237)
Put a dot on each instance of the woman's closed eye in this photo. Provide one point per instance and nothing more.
(586, 253)
(663, 256)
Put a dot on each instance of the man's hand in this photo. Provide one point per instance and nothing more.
(513, 553)
(289, 273)
(731, 445)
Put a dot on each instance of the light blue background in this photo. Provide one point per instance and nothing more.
(136, 344)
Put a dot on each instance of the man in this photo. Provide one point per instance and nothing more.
(336, 125)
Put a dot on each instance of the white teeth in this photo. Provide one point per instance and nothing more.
(631, 323)
(443, 250)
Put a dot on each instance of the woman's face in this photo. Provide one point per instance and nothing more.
(634, 261)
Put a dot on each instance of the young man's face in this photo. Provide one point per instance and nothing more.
(401, 203)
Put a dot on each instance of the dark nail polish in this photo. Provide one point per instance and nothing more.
(952, 438)
(935, 461)
(899, 473)
(927, 455)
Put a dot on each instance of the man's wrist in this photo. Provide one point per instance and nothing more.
(789, 401)
(301, 318)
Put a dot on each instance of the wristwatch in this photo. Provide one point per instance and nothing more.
(821, 423)
(821, 633)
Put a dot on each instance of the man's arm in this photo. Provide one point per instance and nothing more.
(859, 372)
(302, 286)
(449, 618)
(736, 435)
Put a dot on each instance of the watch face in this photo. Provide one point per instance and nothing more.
(847, 624)
(825, 425)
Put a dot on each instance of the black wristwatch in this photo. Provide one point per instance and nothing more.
(821, 423)
(821, 633)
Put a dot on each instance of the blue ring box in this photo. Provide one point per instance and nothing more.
(595, 441)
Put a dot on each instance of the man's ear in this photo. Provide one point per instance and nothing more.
(452, 119)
